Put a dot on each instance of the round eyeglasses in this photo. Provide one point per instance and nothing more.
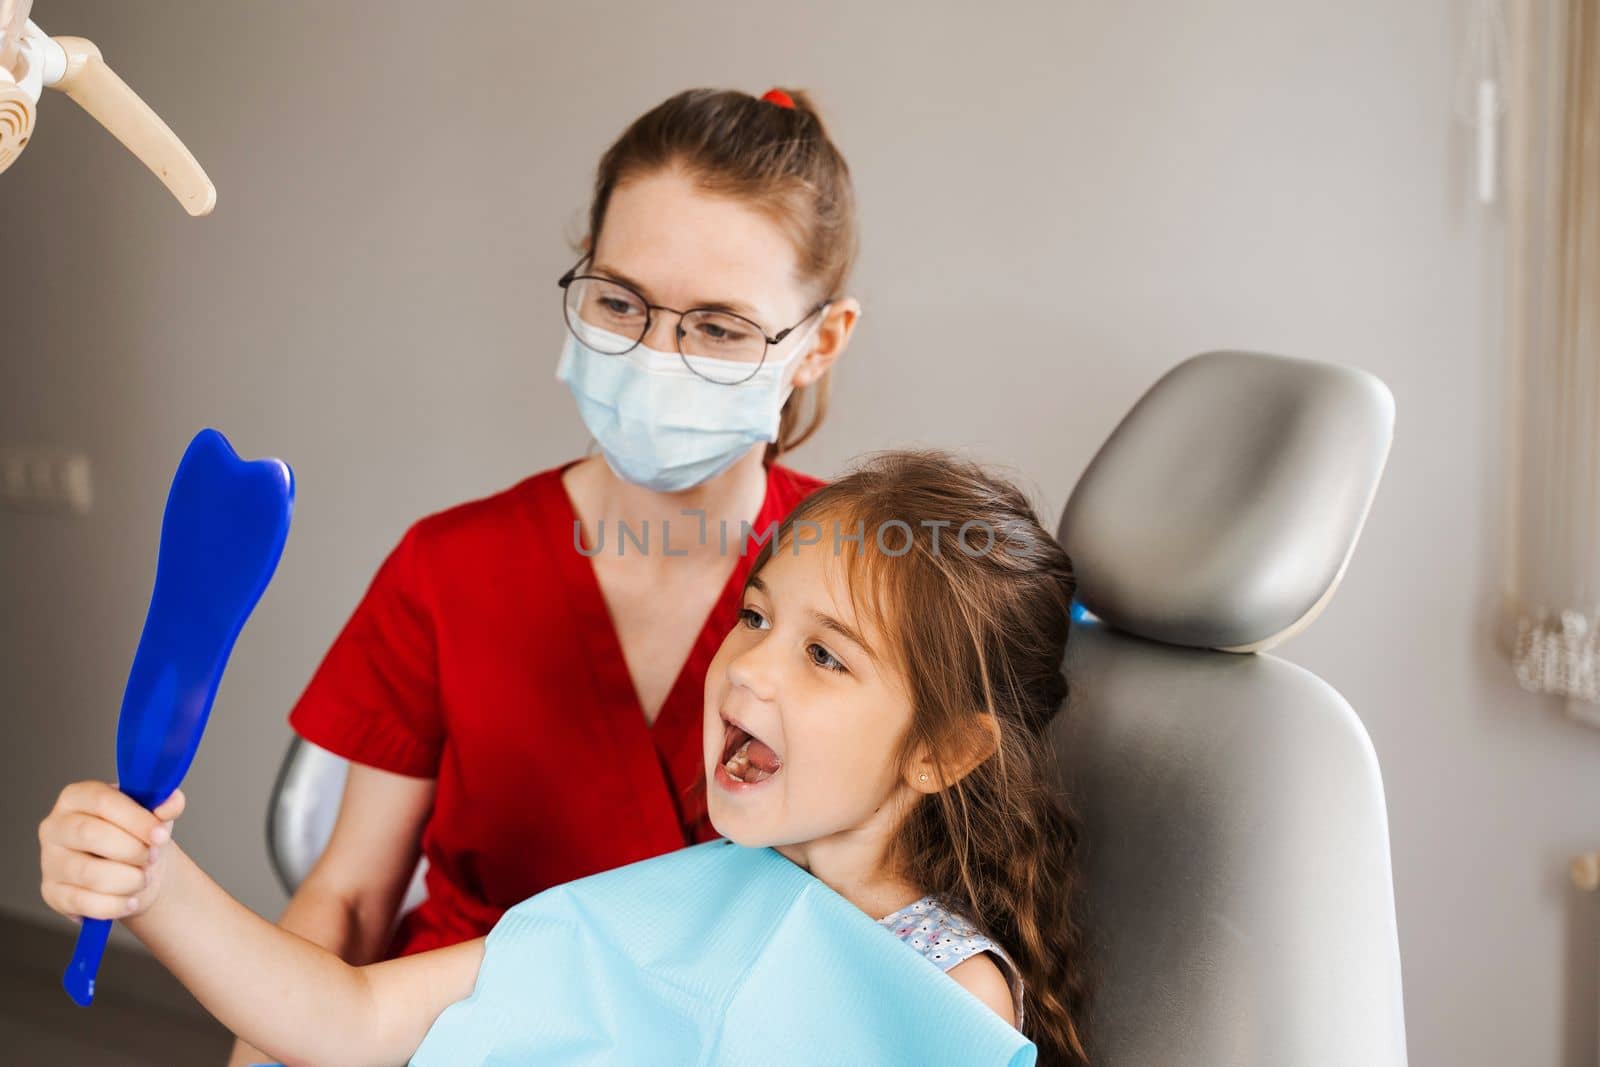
(612, 318)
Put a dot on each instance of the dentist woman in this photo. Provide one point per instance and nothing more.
(505, 690)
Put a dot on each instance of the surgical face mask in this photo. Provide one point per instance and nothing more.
(658, 423)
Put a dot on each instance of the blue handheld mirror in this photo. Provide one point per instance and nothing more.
(221, 537)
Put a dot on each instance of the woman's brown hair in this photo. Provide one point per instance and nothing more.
(974, 599)
(778, 159)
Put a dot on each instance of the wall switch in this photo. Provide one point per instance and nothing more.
(45, 480)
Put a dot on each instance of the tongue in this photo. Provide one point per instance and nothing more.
(761, 756)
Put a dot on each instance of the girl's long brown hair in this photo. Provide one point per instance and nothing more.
(978, 623)
(781, 161)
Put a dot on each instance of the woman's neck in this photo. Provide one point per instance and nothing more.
(700, 522)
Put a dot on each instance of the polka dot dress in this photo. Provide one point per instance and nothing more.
(945, 939)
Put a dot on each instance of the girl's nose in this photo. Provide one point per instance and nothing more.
(752, 670)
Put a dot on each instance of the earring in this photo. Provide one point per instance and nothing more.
(922, 777)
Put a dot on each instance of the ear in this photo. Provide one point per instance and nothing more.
(833, 336)
(985, 741)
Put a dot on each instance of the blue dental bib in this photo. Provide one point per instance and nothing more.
(714, 954)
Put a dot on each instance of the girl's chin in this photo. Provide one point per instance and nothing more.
(748, 836)
(741, 826)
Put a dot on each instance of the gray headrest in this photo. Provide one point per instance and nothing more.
(1223, 509)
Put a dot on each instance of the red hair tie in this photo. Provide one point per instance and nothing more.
(779, 97)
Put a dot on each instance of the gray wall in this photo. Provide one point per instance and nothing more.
(1060, 201)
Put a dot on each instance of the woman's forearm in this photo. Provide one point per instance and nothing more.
(275, 989)
(354, 933)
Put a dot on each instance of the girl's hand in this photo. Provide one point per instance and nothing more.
(100, 853)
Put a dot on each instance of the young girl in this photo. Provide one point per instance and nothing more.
(877, 716)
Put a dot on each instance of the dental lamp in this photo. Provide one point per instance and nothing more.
(31, 61)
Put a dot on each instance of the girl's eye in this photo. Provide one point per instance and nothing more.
(820, 656)
(827, 663)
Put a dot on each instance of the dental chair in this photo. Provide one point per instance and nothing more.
(1236, 836)
(1237, 850)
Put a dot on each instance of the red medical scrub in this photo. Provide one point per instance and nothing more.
(483, 655)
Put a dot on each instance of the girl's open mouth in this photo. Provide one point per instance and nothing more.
(746, 759)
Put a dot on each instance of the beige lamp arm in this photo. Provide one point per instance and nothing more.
(13, 19)
(99, 91)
